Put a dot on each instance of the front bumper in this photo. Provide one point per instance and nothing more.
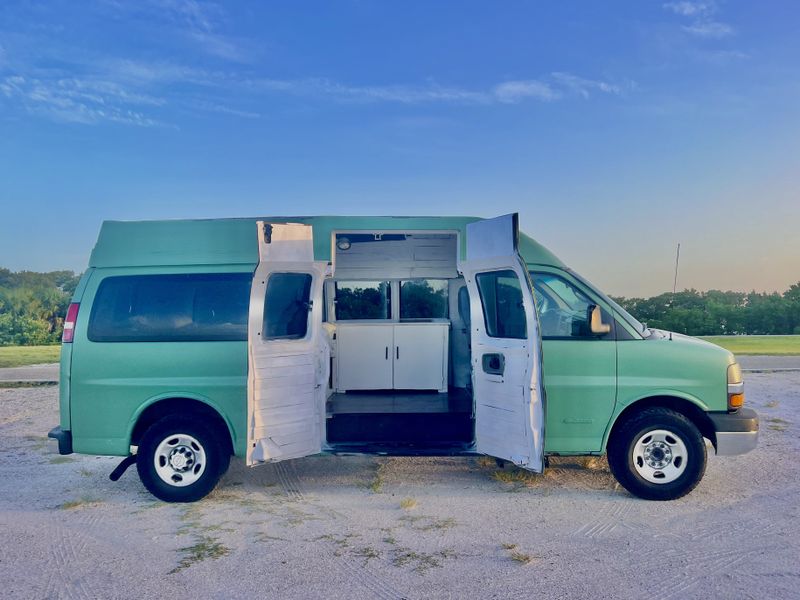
(736, 432)
(64, 439)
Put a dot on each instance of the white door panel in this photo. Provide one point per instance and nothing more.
(506, 367)
(286, 377)
(364, 355)
(420, 357)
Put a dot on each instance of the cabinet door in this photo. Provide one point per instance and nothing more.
(364, 355)
(419, 357)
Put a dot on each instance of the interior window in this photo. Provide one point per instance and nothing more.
(423, 299)
(503, 308)
(286, 306)
(171, 308)
(363, 300)
(563, 308)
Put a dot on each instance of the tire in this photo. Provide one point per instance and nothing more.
(181, 459)
(657, 454)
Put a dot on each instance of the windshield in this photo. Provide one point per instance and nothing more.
(624, 314)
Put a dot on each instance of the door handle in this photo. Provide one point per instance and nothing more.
(493, 363)
(397, 348)
(387, 353)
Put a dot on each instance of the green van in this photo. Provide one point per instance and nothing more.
(188, 342)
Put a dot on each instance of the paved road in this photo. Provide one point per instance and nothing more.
(769, 362)
(30, 373)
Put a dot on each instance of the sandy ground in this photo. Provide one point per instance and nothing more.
(334, 527)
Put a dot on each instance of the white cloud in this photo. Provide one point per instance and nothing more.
(584, 87)
(512, 92)
(690, 9)
(709, 29)
(74, 101)
(701, 13)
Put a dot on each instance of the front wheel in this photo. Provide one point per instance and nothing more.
(180, 459)
(657, 454)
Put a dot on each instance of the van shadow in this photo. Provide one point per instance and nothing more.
(326, 475)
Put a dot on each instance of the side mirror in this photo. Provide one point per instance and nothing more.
(596, 321)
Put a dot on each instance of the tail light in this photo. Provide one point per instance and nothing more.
(735, 387)
(69, 323)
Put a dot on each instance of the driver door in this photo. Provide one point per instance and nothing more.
(288, 357)
(506, 348)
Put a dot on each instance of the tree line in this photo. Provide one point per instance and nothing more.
(720, 313)
(33, 305)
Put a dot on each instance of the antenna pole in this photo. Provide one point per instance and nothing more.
(675, 281)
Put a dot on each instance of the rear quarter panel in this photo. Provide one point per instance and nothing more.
(112, 382)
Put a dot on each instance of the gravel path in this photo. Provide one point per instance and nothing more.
(333, 527)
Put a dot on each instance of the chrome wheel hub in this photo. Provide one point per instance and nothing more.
(660, 456)
(180, 460)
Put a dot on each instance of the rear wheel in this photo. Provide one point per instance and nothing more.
(657, 454)
(181, 459)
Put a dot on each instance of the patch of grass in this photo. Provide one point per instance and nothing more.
(486, 462)
(204, 548)
(421, 561)
(773, 345)
(521, 557)
(778, 424)
(20, 356)
(80, 503)
(390, 539)
(85, 472)
(772, 404)
(516, 476)
(408, 503)
(425, 523)
(516, 555)
(26, 384)
(60, 460)
(508, 546)
(367, 553)
(376, 483)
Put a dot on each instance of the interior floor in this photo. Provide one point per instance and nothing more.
(400, 419)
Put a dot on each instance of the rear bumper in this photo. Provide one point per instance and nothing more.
(736, 433)
(64, 439)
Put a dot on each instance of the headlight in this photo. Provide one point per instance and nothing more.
(735, 387)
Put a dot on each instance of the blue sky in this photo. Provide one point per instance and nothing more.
(615, 129)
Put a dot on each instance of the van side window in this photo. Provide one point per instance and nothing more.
(423, 299)
(503, 308)
(363, 300)
(286, 306)
(171, 308)
(563, 308)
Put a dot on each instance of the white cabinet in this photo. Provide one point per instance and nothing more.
(385, 356)
(420, 360)
(364, 355)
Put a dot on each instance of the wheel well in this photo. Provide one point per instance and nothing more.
(181, 406)
(689, 410)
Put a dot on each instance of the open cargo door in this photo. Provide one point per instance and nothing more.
(288, 357)
(506, 349)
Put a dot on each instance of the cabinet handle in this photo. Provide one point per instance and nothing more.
(387, 353)
(398, 352)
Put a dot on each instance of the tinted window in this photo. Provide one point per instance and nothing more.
(363, 300)
(423, 299)
(171, 308)
(286, 306)
(503, 308)
(563, 308)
